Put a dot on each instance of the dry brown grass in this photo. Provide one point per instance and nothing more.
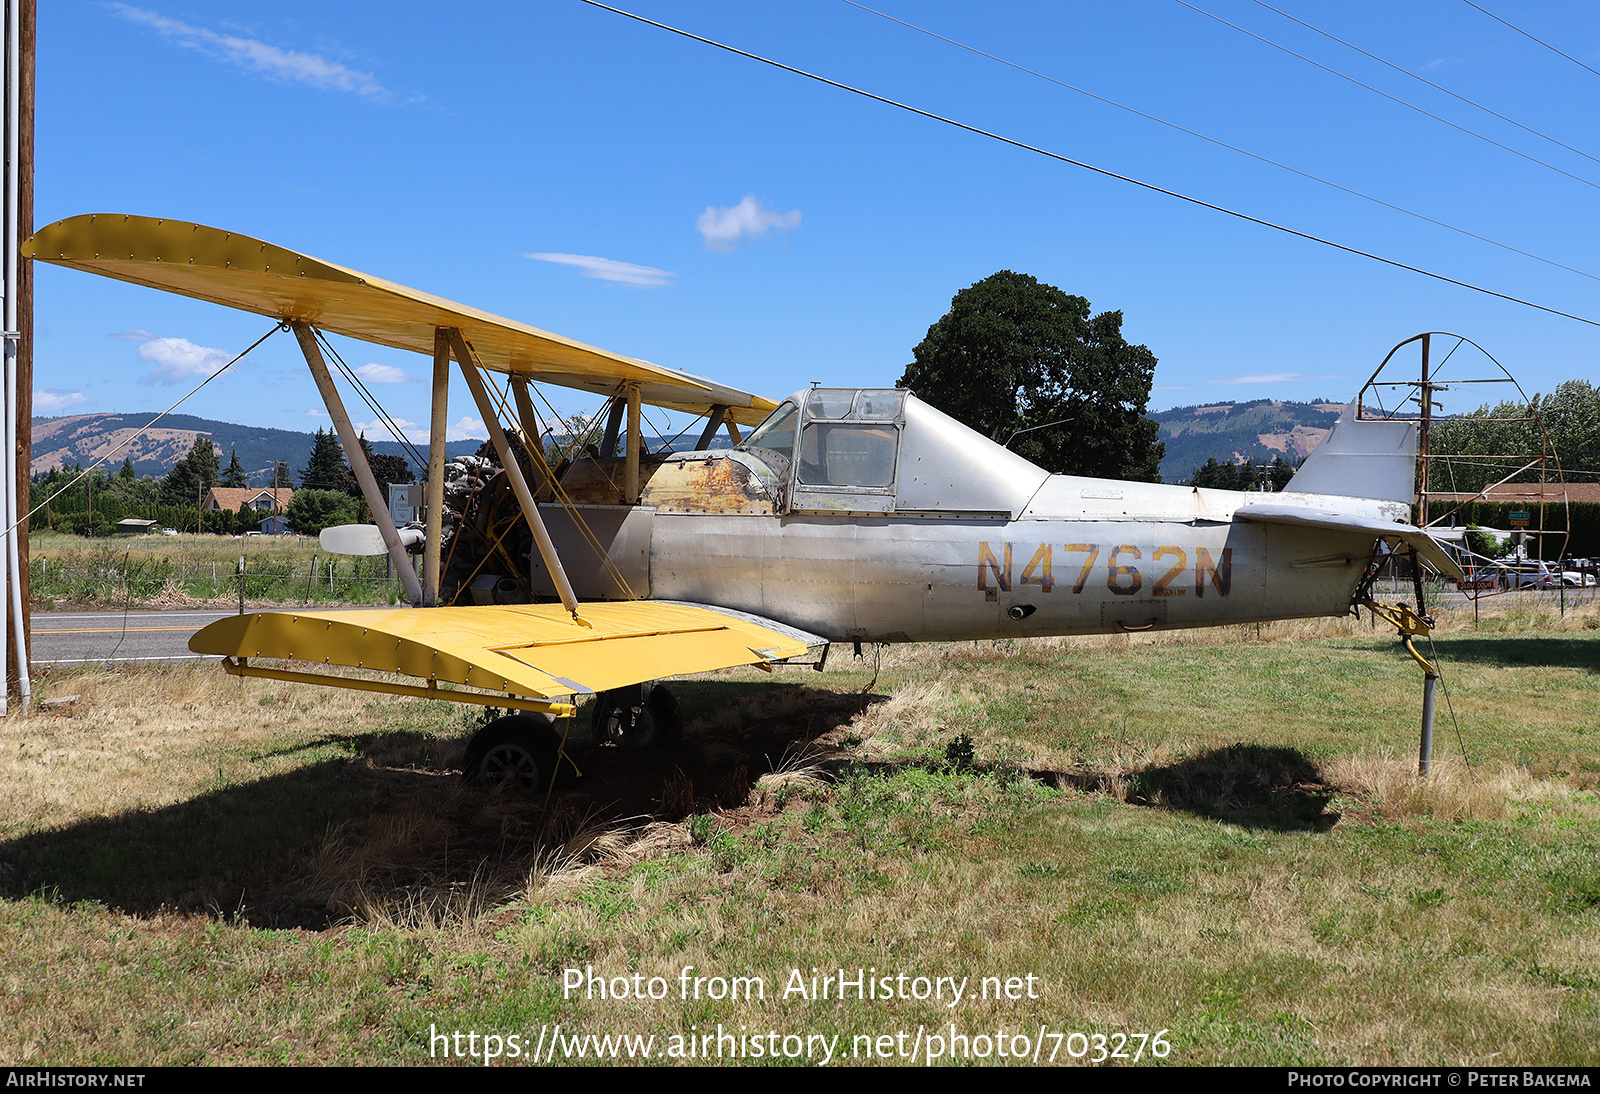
(137, 740)
(1452, 791)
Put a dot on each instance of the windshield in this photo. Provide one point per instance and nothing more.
(776, 434)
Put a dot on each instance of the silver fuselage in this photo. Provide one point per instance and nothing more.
(959, 539)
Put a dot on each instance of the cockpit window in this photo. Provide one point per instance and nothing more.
(848, 454)
(829, 403)
(879, 405)
(776, 434)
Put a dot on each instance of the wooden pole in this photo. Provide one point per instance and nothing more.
(436, 442)
(526, 418)
(532, 434)
(635, 441)
(27, 39)
(358, 461)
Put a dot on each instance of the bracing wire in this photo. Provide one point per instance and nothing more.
(282, 326)
(536, 453)
(370, 399)
(1448, 705)
(1024, 146)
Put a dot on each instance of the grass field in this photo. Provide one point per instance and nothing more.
(1211, 836)
(188, 570)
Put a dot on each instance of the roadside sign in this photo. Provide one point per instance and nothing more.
(1519, 518)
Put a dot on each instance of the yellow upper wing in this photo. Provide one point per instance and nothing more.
(525, 649)
(250, 274)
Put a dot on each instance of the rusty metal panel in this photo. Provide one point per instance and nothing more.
(707, 484)
(592, 481)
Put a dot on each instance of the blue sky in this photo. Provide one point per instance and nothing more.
(576, 170)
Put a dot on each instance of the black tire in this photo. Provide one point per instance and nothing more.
(517, 752)
(619, 719)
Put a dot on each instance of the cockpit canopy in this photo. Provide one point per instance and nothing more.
(880, 450)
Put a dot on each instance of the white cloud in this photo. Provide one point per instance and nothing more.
(467, 429)
(315, 413)
(722, 229)
(609, 269)
(259, 57)
(135, 335)
(377, 429)
(177, 358)
(51, 402)
(384, 374)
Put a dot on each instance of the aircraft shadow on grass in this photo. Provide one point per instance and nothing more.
(1254, 786)
(1519, 650)
(288, 851)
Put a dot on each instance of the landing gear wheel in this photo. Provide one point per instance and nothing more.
(621, 718)
(518, 752)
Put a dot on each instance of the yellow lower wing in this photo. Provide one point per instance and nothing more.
(527, 649)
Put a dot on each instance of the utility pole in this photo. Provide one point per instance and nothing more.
(17, 332)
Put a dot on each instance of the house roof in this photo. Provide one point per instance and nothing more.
(231, 497)
(1510, 493)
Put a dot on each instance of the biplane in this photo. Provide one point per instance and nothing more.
(843, 515)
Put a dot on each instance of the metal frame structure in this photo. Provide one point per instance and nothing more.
(1420, 392)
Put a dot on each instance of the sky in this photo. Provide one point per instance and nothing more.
(571, 168)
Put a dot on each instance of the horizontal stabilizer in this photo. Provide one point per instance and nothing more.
(1303, 517)
(534, 650)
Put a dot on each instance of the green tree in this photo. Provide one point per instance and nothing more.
(234, 475)
(280, 473)
(325, 468)
(310, 511)
(1216, 475)
(1027, 365)
(1484, 446)
(191, 476)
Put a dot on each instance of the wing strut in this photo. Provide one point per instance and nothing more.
(513, 471)
(434, 534)
(358, 461)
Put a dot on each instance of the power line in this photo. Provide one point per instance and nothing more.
(1528, 36)
(1224, 144)
(1391, 98)
(1091, 167)
(1430, 83)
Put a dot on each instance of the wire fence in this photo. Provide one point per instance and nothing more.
(115, 582)
(1557, 598)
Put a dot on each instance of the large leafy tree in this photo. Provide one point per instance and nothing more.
(1025, 363)
(1483, 446)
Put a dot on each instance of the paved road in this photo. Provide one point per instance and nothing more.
(70, 638)
(75, 638)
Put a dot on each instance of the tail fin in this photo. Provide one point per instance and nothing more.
(1357, 459)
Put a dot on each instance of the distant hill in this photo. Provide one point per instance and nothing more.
(1257, 430)
(84, 438)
